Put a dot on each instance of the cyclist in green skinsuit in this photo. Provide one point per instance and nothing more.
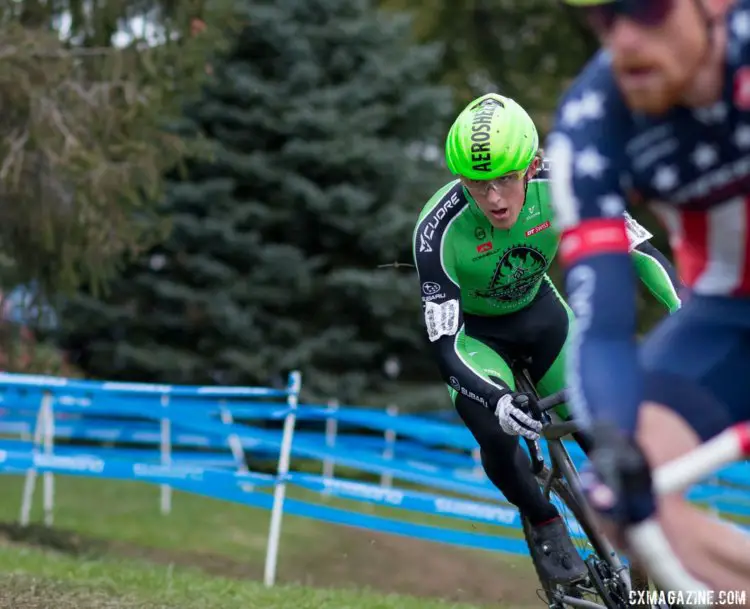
(482, 248)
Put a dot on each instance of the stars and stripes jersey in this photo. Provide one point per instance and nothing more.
(691, 166)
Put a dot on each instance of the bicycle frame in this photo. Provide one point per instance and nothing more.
(647, 538)
(562, 463)
(561, 459)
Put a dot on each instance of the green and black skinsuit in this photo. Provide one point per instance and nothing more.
(487, 299)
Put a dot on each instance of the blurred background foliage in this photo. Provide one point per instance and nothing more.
(216, 192)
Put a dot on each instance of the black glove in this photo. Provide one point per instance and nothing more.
(619, 483)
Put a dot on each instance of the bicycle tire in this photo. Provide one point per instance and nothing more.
(560, 488)
(639, 579)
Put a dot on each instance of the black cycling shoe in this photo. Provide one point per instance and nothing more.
(558, 560)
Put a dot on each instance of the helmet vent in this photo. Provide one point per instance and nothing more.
(490, 102)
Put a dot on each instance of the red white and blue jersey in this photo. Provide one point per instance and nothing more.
(692, 166)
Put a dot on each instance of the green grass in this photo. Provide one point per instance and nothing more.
(35, 578)
(111, 531)
(129, 512)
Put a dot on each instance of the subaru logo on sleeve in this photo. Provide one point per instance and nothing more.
(455, 384)
(430, 288)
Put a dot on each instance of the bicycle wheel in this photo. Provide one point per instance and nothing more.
(603, 587)
(639, 581)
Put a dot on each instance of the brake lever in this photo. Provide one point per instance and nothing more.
(535, 450)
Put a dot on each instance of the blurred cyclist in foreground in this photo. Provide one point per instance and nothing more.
(482, 247)
(661, 115)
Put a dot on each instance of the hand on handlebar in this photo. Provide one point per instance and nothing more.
(513, 419)
(619, 482)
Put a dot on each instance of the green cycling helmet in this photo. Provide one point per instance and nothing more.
(492, 136)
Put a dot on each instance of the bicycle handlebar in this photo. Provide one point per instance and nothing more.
(647, 538)
(553, 400)
(730, 445)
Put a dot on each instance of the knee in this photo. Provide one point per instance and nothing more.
(499, 443)
(484, 426)
(663, 434)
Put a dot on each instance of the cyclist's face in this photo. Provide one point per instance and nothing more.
(501, 199)
(656, 47)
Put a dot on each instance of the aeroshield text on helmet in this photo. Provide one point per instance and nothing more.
(480, 136)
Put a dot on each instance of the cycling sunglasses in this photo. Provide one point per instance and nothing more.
(647, 13)
(483, 187)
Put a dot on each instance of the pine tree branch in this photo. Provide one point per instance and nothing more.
(396, 265)
(6, 52)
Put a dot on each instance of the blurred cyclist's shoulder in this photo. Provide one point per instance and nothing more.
(738, 40)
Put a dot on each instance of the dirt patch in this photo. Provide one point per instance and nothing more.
(67, 542)
(347, 558)
(414, 567)
(32, 593)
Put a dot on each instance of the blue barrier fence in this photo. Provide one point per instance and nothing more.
(197, 439)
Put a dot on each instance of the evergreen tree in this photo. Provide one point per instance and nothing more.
(526, 49)
(326, 129)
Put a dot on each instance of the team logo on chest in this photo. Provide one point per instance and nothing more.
(517, 271)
